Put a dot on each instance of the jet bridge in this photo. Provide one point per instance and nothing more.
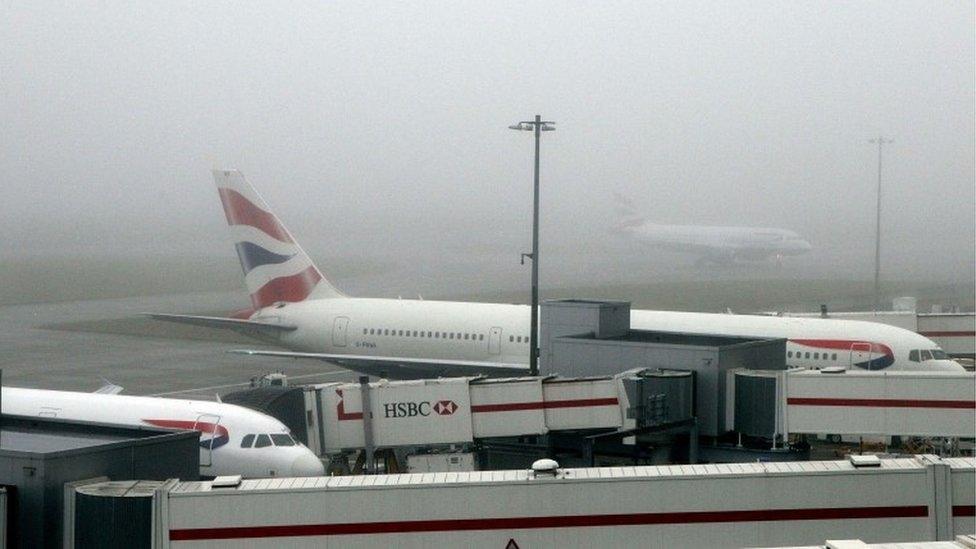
(457, 411)
(775, 404)
(630, 416)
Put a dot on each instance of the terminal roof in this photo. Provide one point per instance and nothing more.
(587, 474)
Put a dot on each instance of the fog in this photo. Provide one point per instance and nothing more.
(378, 133)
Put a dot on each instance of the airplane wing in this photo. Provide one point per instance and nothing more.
(109, 388)
(246, 327)
(401, 367)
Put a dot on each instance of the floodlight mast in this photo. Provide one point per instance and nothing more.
(881, 141)
(537, 126)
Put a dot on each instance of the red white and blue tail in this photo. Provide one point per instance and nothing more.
(275, 267)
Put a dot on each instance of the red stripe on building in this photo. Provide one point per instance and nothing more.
(882, 403)
(571, 521)
(292, 288)
(241, 211)
(509, 407)
(964, 510)
(516, 406)
(948, 334)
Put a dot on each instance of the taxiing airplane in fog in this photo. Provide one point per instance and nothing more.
(720, 245)
(294, 306)
(233, 440)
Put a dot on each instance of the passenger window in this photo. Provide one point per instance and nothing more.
(926, 356)
(452, 335)
(816, 356)
(466, 336)
(370, 331)
(511, 339)
(415, 333)
(429, 334)
(437, 335)
(833, 356)
(518, 339)
(247, 441)
(807, 355)
(282, 440)
(401, 333)
(481, 337)
(789, 354)
(365, 331)
(386, 332)
(263, 441)
(913, 355)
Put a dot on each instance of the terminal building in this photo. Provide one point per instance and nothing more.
(739, 505)
(43, 459)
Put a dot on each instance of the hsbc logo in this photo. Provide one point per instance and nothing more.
(445, 407)
(421, 409)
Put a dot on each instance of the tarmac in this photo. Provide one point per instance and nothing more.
(58, 346)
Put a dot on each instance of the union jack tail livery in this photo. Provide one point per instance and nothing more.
(275, 267)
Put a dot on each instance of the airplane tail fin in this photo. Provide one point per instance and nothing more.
(275, 267)
(627, 216)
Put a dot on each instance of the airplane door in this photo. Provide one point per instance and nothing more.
(860, 352)
(495, 341)
(339, 329)
(207, 425)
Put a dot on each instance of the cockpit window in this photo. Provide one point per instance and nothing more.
(263, 441)
(913, 355)
(939, 354)
(926, 355)
(247, 441)
(282, 440)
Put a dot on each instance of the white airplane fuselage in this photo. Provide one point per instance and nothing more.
(222, 427)
(721, 243)
(499, 332)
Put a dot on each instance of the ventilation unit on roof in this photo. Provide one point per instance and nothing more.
(226, 481)
(545, 468)
(868, 460)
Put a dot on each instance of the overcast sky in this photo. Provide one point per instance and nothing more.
(380, 130)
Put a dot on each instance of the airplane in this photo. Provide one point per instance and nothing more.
(295, 306)
(719, 245)
(234, 440)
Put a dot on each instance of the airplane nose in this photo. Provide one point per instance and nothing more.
(307, 465)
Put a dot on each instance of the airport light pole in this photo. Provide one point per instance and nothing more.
(538, 126)
(881, 141)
